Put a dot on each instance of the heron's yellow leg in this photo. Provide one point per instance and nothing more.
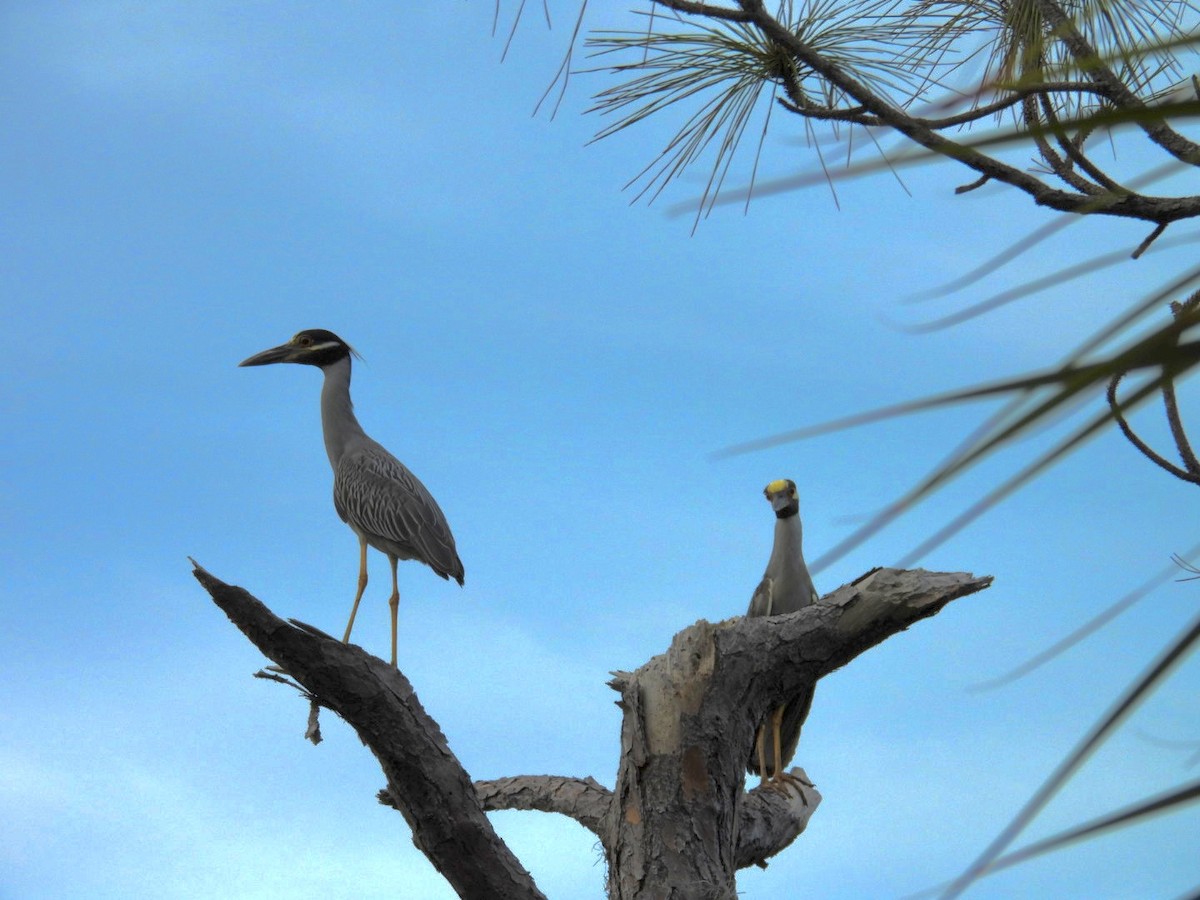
(776, 728)
(362, 586)
(760, 743)
(394, 603)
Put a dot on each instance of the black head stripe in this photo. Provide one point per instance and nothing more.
(323, 347)
(319, 336)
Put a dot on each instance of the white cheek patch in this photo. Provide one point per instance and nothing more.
(325, 346)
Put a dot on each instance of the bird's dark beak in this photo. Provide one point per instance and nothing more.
(280, 354)
(783, 502)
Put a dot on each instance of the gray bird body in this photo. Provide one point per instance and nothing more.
(374, 493)
(786, 587)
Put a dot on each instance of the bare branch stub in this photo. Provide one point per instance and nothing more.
(771, 820)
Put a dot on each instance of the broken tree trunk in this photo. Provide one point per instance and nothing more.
(679, 823)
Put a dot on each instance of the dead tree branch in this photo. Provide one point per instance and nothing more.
(583, 799)
(426, 782)
(680, 823)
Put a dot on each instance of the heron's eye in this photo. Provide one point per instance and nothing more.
(304, 340)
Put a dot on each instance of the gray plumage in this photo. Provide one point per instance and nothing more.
(786, 587)
(377, 496)
(373, 492)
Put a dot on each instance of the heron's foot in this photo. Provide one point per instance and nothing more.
(786, 783)
(797, 780)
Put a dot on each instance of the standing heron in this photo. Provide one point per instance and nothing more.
(785, 588)
(373, 492)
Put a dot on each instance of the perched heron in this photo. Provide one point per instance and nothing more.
(785, 588)
(373, 492)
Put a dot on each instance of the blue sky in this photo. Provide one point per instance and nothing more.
(185, 184)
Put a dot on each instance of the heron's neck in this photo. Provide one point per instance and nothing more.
(337, 412)
(793, 585)
(788, 540)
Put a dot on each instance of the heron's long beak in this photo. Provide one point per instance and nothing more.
(281, 354)
(779, 502)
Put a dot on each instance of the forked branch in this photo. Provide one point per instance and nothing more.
(680, 815)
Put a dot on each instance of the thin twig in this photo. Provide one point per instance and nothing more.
(1150, 239)
(1184, 314)
(1145, 449)
(977, 183)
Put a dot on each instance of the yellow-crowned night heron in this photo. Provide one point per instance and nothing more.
(373, 492)
(785, 588)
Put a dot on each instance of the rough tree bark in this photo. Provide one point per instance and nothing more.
(679, 823)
